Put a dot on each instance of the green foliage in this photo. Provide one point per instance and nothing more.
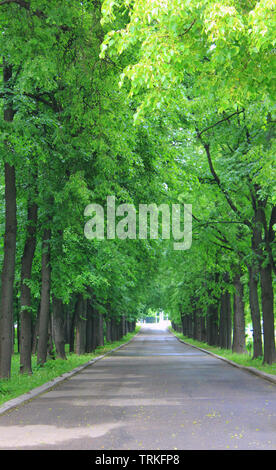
(151, 102)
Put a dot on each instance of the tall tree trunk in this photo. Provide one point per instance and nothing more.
(81, 315)
(113, 329)
(225, 325)
(238, 345)
(108, 330)
(8, 271)
(255, 312)
(59, 327)
(196, 324)
(89, 328)
(268, 315)
(72, 331)
(212, 325)
(123, 325)
(100, 331)
(203, 332)
(7, 280)
(183, 323)
(95, 329)
(45, 299)
(265, 263)
(50, 343)
(35, 328)
(25, 298)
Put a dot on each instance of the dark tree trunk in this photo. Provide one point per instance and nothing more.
(95, 338)
(90, 343)
(238, 345)
(6, 320)
(50, 344)
(265, 263)
(183, 323)
(8, 270)
(25, 298)
(108, 331)
(123, 325)
(196, 324)
(255, 312)
(225, 326)
(45, 299)
(212, 325)
(203, 333)
(59, 327)
(114, 330)
(67, 324)
(120, 329)
(81, 315)
(18, 331)
(268, 314)
(101, 329)
(127, 327)
(35, 328)
(72, 330)
(190, 326)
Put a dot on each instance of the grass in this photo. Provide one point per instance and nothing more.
(242, 359)
(19, 384)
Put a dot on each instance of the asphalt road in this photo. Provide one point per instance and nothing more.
(154, 393)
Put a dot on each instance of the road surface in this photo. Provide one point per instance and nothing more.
(154, 393)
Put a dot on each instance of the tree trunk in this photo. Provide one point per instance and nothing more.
(108, 331)
(35, 328)
(212, 325)
(265, 265)
(81, 315)
(89, 329)
(196, 324)
(255, 312)
(183, 323)
(225, 327)
(8, 270)
(45, 299)
(25, 298)
(203, 333)
(59, 327)
(100, 331)
(123, 325)
(50, 343)
(113, 330)
(268, 314)
(238, 345)
(95, 329)
(6, 320)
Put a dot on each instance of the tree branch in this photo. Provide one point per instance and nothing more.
(217, 180)
(219, 122)
(188, 29)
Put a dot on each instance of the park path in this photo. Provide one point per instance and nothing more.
(154, 393)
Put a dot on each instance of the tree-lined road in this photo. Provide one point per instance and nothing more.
(154, 393)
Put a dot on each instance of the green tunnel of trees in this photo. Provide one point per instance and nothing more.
(153, 103)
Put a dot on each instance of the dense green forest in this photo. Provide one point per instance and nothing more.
(152, 102)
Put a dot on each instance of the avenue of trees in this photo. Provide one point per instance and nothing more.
(161, 101)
